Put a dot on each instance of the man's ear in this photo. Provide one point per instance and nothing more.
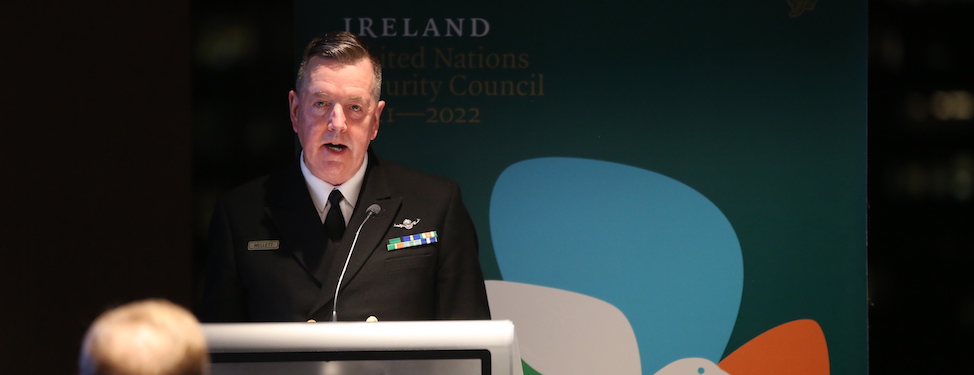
(378, 114)
(293, 101)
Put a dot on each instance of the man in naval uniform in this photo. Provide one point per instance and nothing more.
(399, 241)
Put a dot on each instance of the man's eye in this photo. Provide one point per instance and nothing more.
(320, 103)
(356, 107)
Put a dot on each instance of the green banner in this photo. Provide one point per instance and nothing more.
(700, 166)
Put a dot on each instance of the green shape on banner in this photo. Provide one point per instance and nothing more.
(528, 370)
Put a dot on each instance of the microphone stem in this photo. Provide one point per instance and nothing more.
(334, 310)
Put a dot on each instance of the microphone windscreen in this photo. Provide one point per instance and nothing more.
(374, 209)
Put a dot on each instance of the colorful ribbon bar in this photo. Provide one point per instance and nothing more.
(413, 240)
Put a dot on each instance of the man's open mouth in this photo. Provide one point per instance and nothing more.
(335, 147)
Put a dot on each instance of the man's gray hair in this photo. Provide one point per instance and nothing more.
(343, 47)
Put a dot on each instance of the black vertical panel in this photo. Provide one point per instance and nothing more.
(921, 186)
(95, 203)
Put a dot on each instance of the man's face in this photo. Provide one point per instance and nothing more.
(336, 117)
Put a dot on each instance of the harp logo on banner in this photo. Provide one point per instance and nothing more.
(408, 27)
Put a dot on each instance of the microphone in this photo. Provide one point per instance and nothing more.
(373, 210)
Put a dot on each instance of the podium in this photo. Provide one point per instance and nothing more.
(454, 347)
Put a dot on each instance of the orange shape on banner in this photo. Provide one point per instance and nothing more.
(795, 348)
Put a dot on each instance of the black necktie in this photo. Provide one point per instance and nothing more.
(335, 221)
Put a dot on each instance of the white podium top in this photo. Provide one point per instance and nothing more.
(236, 347)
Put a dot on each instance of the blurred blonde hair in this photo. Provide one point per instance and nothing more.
(148, 337)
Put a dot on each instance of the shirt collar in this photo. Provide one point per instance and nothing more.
(320, 189)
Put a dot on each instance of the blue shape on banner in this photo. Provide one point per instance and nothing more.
(652, 246)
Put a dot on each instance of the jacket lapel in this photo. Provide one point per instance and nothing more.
(291, 209)
(375, 190)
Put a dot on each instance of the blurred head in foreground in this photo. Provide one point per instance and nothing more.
(149, 337)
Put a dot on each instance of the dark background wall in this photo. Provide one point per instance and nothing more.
(95, 161)
(115, 117)
(921, 185)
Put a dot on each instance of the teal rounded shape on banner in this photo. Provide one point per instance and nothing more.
(653, 247)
